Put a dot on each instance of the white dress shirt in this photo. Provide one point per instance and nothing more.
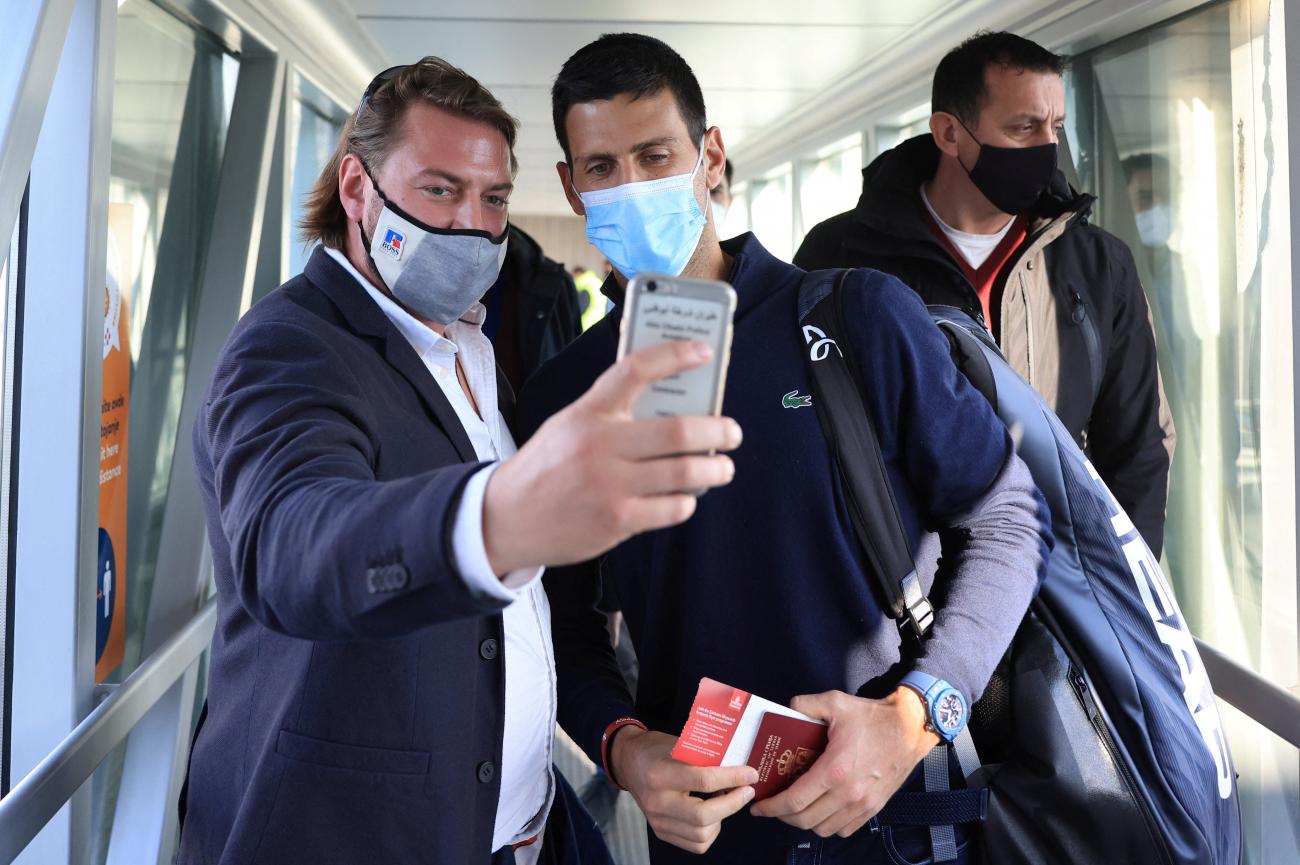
(975, 248)
(527, 788)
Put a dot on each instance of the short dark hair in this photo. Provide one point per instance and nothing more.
(625, 63)
(726, 172)
(1152, 162)
(959, 83)
(376, 127)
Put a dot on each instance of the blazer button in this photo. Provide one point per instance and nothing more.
(388, 578)
(487, 770)
(1029, 265)
(489, 649)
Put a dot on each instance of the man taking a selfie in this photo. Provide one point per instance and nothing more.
(381, 685)
(766, 589)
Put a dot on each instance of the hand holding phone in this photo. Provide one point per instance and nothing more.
(593, 475)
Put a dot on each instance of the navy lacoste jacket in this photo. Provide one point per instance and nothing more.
(764, 587)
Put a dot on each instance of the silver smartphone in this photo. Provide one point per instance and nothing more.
(659, 309)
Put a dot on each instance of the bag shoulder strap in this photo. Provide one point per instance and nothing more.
(847, 425)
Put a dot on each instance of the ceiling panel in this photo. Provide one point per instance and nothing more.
(855, 12)
(756, 61)
(531, 54)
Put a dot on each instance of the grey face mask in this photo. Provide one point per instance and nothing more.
(437, 273)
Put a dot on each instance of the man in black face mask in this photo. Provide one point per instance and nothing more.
(977, 215)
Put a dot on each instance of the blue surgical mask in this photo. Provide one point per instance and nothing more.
(719, 216)
(1155, 225)
(650, 226)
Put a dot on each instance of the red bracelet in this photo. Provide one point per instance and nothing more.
(605, 741)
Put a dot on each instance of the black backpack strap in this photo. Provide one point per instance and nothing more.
(847, 425)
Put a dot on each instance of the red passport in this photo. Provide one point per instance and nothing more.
(731, 727)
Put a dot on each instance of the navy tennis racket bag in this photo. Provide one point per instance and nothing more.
(1098, 737)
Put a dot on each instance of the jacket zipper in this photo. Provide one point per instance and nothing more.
(1079, 315)
(1083, 690)
(1029, 331)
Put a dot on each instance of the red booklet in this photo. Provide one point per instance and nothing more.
(731, 727)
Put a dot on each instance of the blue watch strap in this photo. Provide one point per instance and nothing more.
(933, 691)
(922, 683)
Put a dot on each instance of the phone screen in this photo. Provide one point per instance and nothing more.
(661, 318)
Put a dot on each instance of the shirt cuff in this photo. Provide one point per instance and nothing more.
(470, 551)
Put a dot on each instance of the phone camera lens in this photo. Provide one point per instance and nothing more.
(652, 285)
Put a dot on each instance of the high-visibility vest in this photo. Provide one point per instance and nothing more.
(590, 300)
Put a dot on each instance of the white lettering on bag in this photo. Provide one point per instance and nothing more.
(1172, 631)
(822, 347)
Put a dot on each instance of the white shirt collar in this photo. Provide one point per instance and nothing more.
(967, 237)
(428, 344)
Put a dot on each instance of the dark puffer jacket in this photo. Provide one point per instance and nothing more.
(536, 314)
(1074, 319)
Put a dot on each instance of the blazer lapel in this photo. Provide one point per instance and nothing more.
(368, 320)
(506, 399)
(400, 355)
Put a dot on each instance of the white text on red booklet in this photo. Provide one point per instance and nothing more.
(731, 727)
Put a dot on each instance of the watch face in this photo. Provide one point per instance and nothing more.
(950, 712)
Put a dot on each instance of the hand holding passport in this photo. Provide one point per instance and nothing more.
(731, 727)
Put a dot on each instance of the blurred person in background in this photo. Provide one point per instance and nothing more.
(720, 197)
(590, 301)
(532, 309)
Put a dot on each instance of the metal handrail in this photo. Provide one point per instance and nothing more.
(35, 800)
(1268, 705)
(39, 796)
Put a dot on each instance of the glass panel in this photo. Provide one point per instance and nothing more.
(1181, 131)
(771, 212)
(171, 108)
(831, 182)
(318, 121)
(173, 93)
(909, 124)
(9, 293)
(737, 221)
(1270, 799)
(1169, 144)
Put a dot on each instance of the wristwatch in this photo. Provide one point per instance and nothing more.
(945, 706)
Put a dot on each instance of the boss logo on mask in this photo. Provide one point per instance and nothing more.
(392, 245)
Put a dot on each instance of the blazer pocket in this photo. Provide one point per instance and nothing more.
(359, 758)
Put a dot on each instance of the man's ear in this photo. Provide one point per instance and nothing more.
(943, 126)
(715, 158)
(353, 182)
(566, 183)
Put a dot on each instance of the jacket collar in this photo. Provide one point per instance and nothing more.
(761, 270)
(366, 319)
(525, 261)
(888, 204)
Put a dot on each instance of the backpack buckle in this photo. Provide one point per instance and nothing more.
(919, 611)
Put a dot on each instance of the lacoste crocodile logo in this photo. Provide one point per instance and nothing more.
(794, 400)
